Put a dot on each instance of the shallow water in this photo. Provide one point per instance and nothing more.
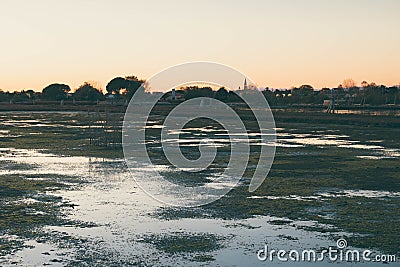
(122, 213)
(127, 227)
(123, 216)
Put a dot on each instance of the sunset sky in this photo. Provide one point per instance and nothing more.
(277, 43)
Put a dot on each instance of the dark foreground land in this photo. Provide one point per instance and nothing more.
(336, 170)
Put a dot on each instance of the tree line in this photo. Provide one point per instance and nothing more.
(123, 88)
(118, 88)
(346, 94)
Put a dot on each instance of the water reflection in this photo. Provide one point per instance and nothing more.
(124, 216)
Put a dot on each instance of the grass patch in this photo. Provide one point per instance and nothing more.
(180, 242)
(26, 207)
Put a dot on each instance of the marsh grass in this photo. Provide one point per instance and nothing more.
(26, 207)
(180, 242)
(304, 172)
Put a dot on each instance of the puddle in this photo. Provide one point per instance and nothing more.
(320, 139)
(361, 193)
(37, 254)
(327, 195)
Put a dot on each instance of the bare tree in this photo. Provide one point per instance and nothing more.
(349, 83)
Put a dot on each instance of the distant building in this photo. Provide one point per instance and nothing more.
(246, 87)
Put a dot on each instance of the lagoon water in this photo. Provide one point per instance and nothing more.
(120, 225)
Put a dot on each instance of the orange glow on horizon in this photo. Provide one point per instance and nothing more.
(266, 40)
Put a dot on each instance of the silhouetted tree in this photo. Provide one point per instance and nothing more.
(233, 97)
(126, 86)
(30, 93)
(21, 96)
(5, 96)
(270, 97)
(306, 87)
(55, 91)
(303, 90)
(115, 85)
(195, 91)
(132, 84)
(87, 92)
(221, 94)
(364, 84)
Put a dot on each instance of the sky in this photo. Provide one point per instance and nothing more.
(277, 43)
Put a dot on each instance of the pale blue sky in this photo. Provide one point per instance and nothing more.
(277, 43)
